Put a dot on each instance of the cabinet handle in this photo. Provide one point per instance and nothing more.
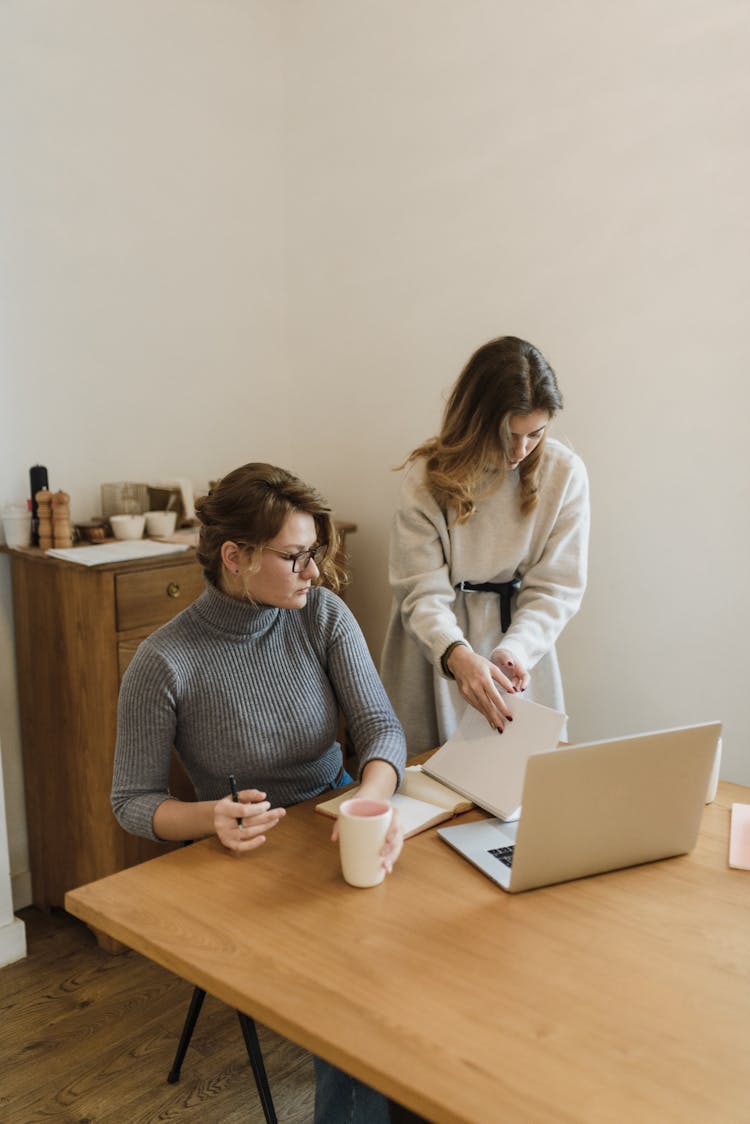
(173, 590)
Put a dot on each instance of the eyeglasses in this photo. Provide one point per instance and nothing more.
(301, 561)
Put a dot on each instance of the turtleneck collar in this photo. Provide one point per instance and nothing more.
(232, 615)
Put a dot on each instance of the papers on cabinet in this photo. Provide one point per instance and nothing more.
(126, 550)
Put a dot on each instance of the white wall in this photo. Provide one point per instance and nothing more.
(577, 174)
(277, 230)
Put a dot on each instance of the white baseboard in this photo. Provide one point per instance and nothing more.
(12, 942)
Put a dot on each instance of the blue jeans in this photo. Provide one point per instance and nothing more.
(342, 1099)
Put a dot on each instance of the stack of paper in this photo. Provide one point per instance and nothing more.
(488, 767)
(125, 550)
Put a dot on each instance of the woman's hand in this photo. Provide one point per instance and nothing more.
(511, 668)
(394, 839)
(476, 679)
(379, 780)
(256, 816)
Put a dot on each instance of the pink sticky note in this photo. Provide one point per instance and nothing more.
(739, 837)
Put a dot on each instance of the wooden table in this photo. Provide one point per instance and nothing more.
(619, 998)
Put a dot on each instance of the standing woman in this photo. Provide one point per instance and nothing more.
(248, 680)
(488, 550)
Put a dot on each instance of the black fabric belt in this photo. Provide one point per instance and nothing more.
(504, 590)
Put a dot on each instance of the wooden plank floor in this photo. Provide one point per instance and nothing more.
(88, 1037)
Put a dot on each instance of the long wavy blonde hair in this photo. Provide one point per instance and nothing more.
(468, 457)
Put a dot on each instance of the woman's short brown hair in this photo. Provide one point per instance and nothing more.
(250, 505)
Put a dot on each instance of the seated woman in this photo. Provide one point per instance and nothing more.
(248, 680)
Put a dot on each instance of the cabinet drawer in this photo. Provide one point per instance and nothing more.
(151, 597)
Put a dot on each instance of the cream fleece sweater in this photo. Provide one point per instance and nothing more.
(429, 558)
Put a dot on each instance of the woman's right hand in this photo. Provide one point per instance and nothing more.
(256, 816)
(476, 678)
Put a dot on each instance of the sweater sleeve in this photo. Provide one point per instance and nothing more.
(372, 725)
(146, 727)
(553, 586)
(419, 571)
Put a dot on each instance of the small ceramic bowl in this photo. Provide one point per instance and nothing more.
(92, 532)
(127, 526)
(160, 522)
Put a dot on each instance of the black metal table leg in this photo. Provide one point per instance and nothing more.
(187, 1032)
(250, 1035)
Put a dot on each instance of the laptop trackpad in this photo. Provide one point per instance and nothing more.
(487, 844)
(483, 835)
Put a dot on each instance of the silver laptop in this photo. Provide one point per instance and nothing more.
(596, 807)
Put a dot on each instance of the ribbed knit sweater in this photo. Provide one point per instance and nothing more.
(251, 690)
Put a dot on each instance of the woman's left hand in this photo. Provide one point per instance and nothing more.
(394, 839)
(509, 666)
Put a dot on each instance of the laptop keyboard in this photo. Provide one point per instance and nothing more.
(505, 854)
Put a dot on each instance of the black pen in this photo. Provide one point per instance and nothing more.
(235, 794)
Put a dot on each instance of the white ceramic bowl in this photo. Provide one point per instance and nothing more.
(17, 526)
(127, 526)
(160, 522)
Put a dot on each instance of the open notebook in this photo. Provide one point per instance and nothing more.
(422, 801)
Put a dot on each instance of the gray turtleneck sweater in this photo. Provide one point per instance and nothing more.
(251, 690)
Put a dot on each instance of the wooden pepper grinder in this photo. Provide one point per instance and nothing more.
(44, 514)
(61, 531)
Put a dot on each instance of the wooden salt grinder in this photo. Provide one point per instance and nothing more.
(44, 514)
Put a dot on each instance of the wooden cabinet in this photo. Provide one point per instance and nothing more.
(77, 628)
